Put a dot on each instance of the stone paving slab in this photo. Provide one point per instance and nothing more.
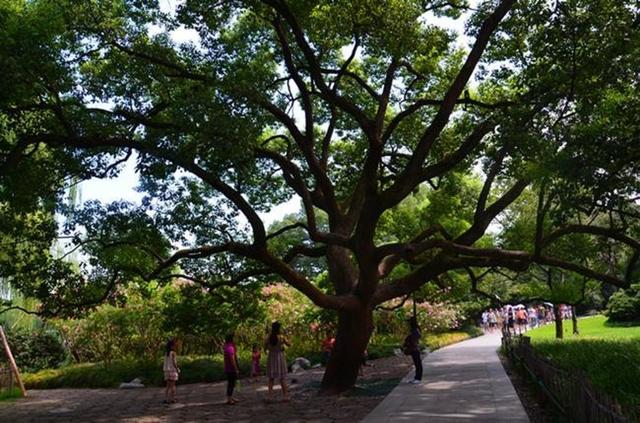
(204, 402)
(461, 383)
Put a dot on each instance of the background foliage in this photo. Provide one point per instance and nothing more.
(624, 305)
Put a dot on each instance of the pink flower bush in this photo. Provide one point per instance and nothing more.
(436, 316)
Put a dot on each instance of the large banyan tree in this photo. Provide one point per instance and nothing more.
(351, 105)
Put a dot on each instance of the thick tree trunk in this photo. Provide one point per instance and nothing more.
(574, 319)
(354, 331)
(558, 315)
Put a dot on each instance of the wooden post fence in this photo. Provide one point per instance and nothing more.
(12, 362)
(570, 391)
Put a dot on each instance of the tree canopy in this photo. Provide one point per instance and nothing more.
(353, 106)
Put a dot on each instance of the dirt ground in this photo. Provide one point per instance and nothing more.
(205, 402)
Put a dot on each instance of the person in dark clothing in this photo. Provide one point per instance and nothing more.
(412, 347)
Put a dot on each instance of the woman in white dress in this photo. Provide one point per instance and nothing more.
(276, 363)
(171, 371)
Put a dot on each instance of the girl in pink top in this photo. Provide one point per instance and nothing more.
(231, 367)
(255, 361)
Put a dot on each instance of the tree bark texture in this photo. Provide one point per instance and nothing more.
(558, 318)
(354, 331)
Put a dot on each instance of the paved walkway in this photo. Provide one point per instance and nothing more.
(462, 383)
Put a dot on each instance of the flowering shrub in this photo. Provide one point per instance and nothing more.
(438, 317)
(305, 324)
(302, 322)
(138, 329)
(111, 333)
(433, 317)
(284, 304)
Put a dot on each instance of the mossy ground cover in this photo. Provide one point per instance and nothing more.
(374, 387)
(10, 394)
(609, 355)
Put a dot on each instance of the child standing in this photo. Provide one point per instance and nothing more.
(231, 367)
(171, 370)
(327, 347)
(255, 361)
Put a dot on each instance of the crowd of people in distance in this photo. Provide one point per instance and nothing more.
(519, 318)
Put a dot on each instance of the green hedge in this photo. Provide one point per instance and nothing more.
(611, 364)
(36, 349)
(383, 346)
(609, 355)
(100, 375)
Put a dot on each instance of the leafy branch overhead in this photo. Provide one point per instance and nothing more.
(358, 108)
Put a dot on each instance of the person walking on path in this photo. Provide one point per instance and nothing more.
(230, 367)
(171, 371)
(509, 319)
(412, 347)
(522, 319)
(276, 364)
(493, 320)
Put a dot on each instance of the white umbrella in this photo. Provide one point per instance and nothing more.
(519, 306)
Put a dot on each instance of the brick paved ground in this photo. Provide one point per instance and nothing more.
(205, 402)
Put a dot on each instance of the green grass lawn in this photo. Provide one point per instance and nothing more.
(589, 327)
(610, 355)
(10, 394)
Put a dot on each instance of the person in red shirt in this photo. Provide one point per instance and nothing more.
(521, 316)
(327, 347)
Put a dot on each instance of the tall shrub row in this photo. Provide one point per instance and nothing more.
(137, 328)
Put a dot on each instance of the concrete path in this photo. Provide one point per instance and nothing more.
(461, 383)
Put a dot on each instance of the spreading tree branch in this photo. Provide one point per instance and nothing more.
(410, 177)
